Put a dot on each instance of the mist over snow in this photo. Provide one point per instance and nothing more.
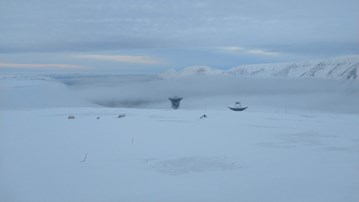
(29, 91)
(217, 92)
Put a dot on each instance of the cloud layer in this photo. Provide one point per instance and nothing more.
(84, 25)
(183, 32)
(125, 59)
(40, 66)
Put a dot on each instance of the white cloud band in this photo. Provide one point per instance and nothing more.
(147, 60)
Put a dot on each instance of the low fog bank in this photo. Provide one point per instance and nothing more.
(29, 91)
(218, 92)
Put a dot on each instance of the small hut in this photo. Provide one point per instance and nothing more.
(175, 102)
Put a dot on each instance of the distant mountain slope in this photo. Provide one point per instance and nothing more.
(335, 68)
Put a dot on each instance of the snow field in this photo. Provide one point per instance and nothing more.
(173, 155)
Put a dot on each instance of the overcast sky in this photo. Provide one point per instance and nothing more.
(153, 36)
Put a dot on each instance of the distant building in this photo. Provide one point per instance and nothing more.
(175, 102)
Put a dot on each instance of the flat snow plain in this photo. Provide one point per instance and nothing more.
(173, 155)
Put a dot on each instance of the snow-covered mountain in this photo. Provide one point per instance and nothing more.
(192, 71)
(335, 68)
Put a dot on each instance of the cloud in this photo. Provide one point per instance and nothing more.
(40, 66)
(232, 49)
(262, 52)
(146, 60)
(270, 31)
(254, 51)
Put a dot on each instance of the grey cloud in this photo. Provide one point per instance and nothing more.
(185, 32)
(319, 49)
(196, 23)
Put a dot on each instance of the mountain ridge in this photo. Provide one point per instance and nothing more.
(333, 68)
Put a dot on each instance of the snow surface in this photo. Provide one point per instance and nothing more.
(277, 155)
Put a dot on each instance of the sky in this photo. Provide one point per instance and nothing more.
(141, 36)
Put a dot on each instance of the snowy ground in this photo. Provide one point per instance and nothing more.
(173, 155)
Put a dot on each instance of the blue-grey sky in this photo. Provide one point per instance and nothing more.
(142, 36)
